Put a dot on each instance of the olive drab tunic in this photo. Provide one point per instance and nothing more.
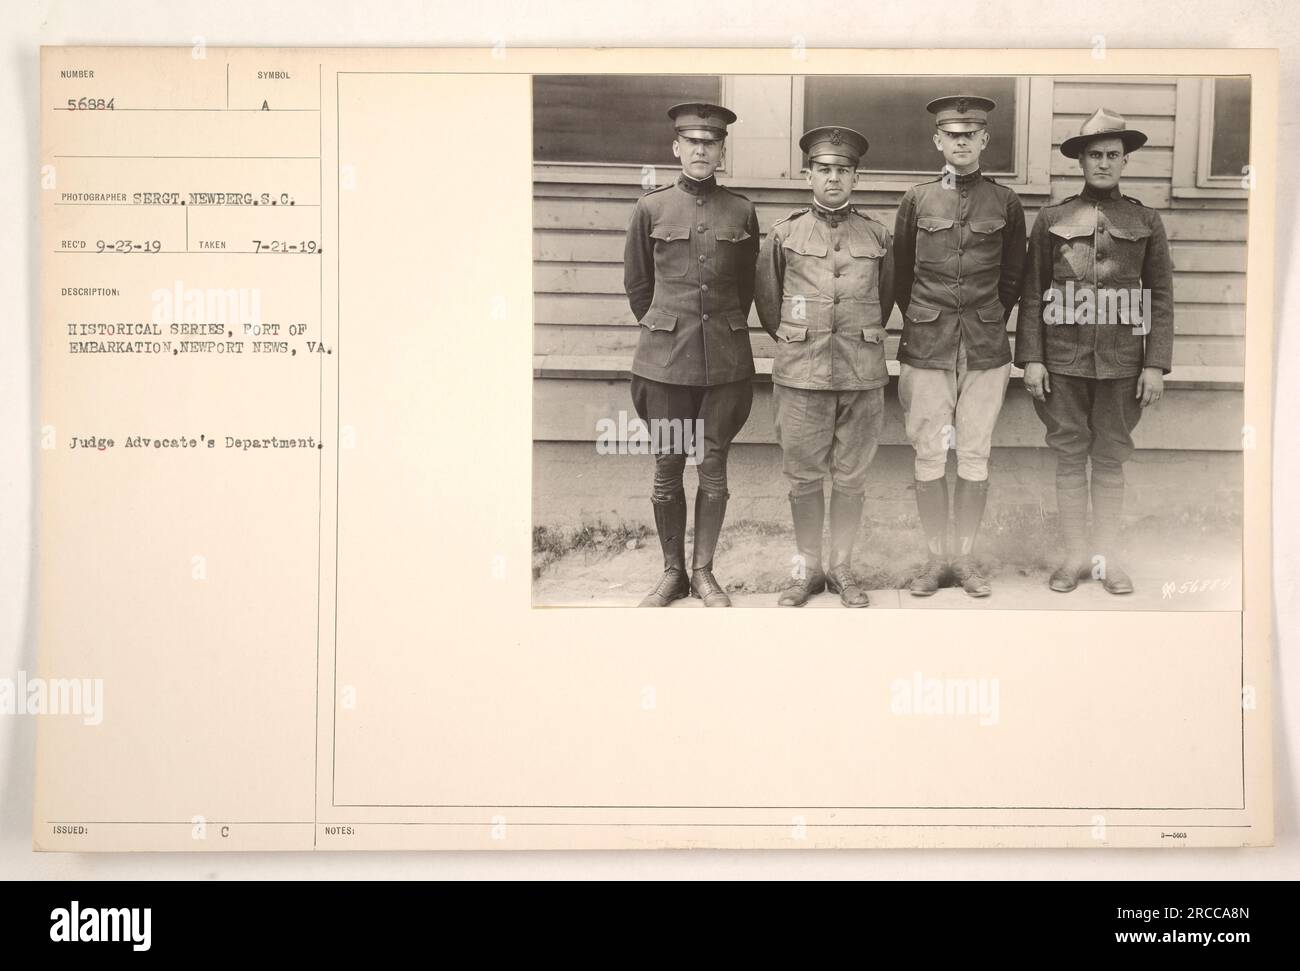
(688, 268)
(824, 289)
(1086, 243)
(959, 247)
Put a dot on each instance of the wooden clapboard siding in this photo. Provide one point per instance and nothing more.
(581, 312)
(572, 399)
(1159, 128)
(615, 339)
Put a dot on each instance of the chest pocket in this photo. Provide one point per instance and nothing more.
(805, 245)
(1130, 244)
(1071, 251)
(865, 248)
(807, 275)
(731, 250)
(672, 250)
(985, 241)
(862, 274)
(933, 239)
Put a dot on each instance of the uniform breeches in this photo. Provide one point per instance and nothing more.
(1090, 418)
(945, 409)
(827, 433)
(694, 420)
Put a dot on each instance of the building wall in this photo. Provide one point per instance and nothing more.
(584, 332)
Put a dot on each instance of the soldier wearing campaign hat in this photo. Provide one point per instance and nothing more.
(688, 269)
(1095, 357)
(824, 291)
(959, 244)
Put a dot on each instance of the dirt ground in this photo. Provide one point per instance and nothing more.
(1176, 564)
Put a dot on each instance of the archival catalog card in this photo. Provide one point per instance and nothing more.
(381, 390)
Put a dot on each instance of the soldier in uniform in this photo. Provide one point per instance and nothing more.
(824, 290)
(689, 274)
(1095, 338)
(959, 246)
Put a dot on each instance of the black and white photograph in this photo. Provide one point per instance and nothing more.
(889, 341)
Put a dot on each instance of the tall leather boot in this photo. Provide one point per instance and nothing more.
(670, 521)
(1072, 503)
(1107, 521)
(932, 504)
(846, 519)
(968, 512)
(710, 510)
(809, 515)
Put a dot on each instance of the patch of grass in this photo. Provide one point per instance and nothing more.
(755, 556)
(550, 543)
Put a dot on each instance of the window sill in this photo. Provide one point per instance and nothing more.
(1197, 192)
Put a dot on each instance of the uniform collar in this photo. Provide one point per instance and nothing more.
(1099, 195)
(832, 216)
(697, 187)
(966, 179)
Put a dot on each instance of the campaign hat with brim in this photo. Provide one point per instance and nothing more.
(1103, 123)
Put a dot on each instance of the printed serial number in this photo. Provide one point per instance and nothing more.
(91, 104)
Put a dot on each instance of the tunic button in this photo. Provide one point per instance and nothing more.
(704, 286)
(701, 259)
(837, 247)
(699, 202)
(700, 227)
(705, 317)
(836, 300)
(1101, 229)
(837, 274)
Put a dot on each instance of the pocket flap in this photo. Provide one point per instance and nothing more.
(1130, 232)
(873, 335)
(921, 314)
(986, 225)
(736, 320)
(932, 224)
(992, 314)
(810, 246)
(730, 234)
(865, 248)
(670, 233)
(789, 333)
(658, 320)
(1069, 231)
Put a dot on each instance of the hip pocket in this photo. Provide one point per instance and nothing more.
(920, 332)
(655, 346)
(792, 360)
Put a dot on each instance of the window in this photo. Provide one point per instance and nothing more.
(1227, 145)
(606, 128)
(612, 119)
(1211, 138)
(890, 112)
